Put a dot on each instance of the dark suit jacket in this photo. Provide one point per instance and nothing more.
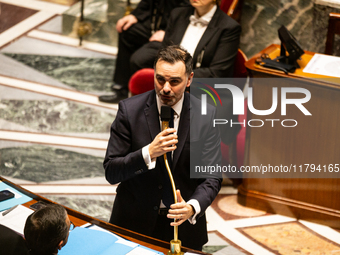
(140, 190)
(144, 10)
(11, 243)
(220, 41)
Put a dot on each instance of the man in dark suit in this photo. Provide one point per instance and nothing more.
(216, 51)
(145, 24)
(135, 149)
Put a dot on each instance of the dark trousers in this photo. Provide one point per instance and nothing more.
(129, 41)
(165, 232)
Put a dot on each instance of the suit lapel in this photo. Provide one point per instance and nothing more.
(183, 129)
(152, 118)
(208, 34)
(180, 30)
(152, 115)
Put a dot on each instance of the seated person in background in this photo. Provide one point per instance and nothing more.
(46, 230)
(206, 32)
(146, 23)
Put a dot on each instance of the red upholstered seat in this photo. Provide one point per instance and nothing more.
(141, 81)
(226, 6)
(240, 70)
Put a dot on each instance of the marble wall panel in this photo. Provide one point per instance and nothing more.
(88, 151)
(95, 208)
(55, 116)
(83, 74)
(43, 163)
(262, 18)
(12, 68)
(28, 45)
(306, 20)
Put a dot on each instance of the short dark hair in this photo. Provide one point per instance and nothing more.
(173, 54)
(45, 228)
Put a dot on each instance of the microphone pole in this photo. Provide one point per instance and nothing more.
(175, 244)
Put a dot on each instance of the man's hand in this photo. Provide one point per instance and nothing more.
(157, 36)
(164, 142)
(180, 211)
(125, 22)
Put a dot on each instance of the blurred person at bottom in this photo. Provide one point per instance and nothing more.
(47, 229)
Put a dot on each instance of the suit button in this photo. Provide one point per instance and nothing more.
(160, 186)
(139, 171)
(155, 208)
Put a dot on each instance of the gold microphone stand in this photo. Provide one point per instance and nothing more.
(175, 244)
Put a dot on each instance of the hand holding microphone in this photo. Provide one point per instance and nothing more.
(166, 140)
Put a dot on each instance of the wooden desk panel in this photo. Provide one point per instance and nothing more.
(315, 140)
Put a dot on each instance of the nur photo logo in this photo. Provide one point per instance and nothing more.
(221, 90)
(204, 97)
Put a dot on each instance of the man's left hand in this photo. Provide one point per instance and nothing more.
(181, 211)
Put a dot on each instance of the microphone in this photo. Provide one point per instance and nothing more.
(165, 116)
(175, 244)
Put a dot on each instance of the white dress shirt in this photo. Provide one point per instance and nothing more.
(196, 29)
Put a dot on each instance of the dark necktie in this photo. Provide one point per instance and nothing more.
(168, 196)
(171, 125)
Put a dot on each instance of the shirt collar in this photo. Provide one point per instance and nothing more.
(177, 107)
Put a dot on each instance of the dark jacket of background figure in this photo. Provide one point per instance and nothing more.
(140, 191)
(139, 33)
(219, 42)
(11, 243)
(145, 9)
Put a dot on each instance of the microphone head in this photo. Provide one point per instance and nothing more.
(165, 113)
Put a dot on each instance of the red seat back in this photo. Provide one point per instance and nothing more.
(240, 70)
(141, 81)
